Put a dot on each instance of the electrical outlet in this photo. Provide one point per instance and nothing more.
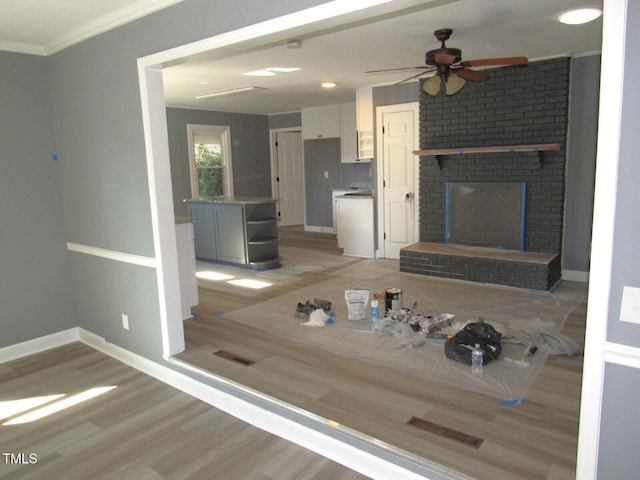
(125, 321)
(630, 308)
(326, 174)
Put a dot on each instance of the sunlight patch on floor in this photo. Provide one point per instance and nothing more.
(213, 276)
(9, 408)
(51, 408)
(248, 283)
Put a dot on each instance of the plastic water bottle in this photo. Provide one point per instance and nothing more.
(477, 356)
(374, 314)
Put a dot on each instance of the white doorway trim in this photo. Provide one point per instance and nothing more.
(597, 351)
(380, 111)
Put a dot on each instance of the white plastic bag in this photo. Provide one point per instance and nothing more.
(317, 319)
(357, 301)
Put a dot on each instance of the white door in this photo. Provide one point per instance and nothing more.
(397, 139)
(288, 177)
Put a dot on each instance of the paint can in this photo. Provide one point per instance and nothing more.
(393, 299)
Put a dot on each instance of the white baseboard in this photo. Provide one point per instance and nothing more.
(575, 276)
(37, 345)
(319, 229)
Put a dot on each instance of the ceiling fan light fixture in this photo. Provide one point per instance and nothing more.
(453, 84)
(580, 15)
(433, 85)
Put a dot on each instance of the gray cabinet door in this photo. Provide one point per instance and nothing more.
(203, 230)
(230, 233)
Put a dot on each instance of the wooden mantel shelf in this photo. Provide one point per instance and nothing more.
(541, 147)
(439, 152)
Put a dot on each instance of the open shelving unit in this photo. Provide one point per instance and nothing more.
(262, 235)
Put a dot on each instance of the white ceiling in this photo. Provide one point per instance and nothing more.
(481, 28)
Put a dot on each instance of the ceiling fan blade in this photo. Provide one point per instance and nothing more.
(424, 72)
(472, 75)
(445, 58)
(495, 61)
(390, 70)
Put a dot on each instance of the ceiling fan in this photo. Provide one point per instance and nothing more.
(449, 71)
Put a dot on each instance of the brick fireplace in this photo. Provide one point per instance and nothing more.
(516, 106)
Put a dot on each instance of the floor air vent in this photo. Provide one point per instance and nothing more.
(445, 432)
(234, 358)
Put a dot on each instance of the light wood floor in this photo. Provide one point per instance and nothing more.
(143, 429)
(533, 440)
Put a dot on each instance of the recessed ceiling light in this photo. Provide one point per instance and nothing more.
(328, 85)
(580, 15)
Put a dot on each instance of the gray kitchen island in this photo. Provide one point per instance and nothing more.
(236, 230)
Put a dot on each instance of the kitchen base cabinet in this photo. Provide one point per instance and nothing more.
(203, 229)
(355, 225)
(237, 231)
(230, 234)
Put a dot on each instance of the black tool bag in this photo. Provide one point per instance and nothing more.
(483, 334)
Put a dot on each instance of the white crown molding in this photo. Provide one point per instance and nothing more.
(106, 23)
(95, 27)
(17, 47)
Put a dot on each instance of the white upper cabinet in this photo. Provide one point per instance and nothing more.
(364, 116)
(321, 122)
(336, 121)
(348, 133)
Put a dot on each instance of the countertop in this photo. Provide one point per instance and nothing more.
(180, 220)
(236, 200)
(356, 195)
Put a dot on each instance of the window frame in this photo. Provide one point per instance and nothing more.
(224, 132)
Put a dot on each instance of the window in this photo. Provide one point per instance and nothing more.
(210, 161)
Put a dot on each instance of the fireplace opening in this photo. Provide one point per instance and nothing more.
(486, 214)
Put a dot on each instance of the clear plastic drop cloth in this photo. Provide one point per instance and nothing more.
(395, 345)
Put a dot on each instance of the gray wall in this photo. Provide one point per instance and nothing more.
(581, 162)
(97, 115)
(322, 156)
(35, 279)
(249, 151)
(285, 120)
